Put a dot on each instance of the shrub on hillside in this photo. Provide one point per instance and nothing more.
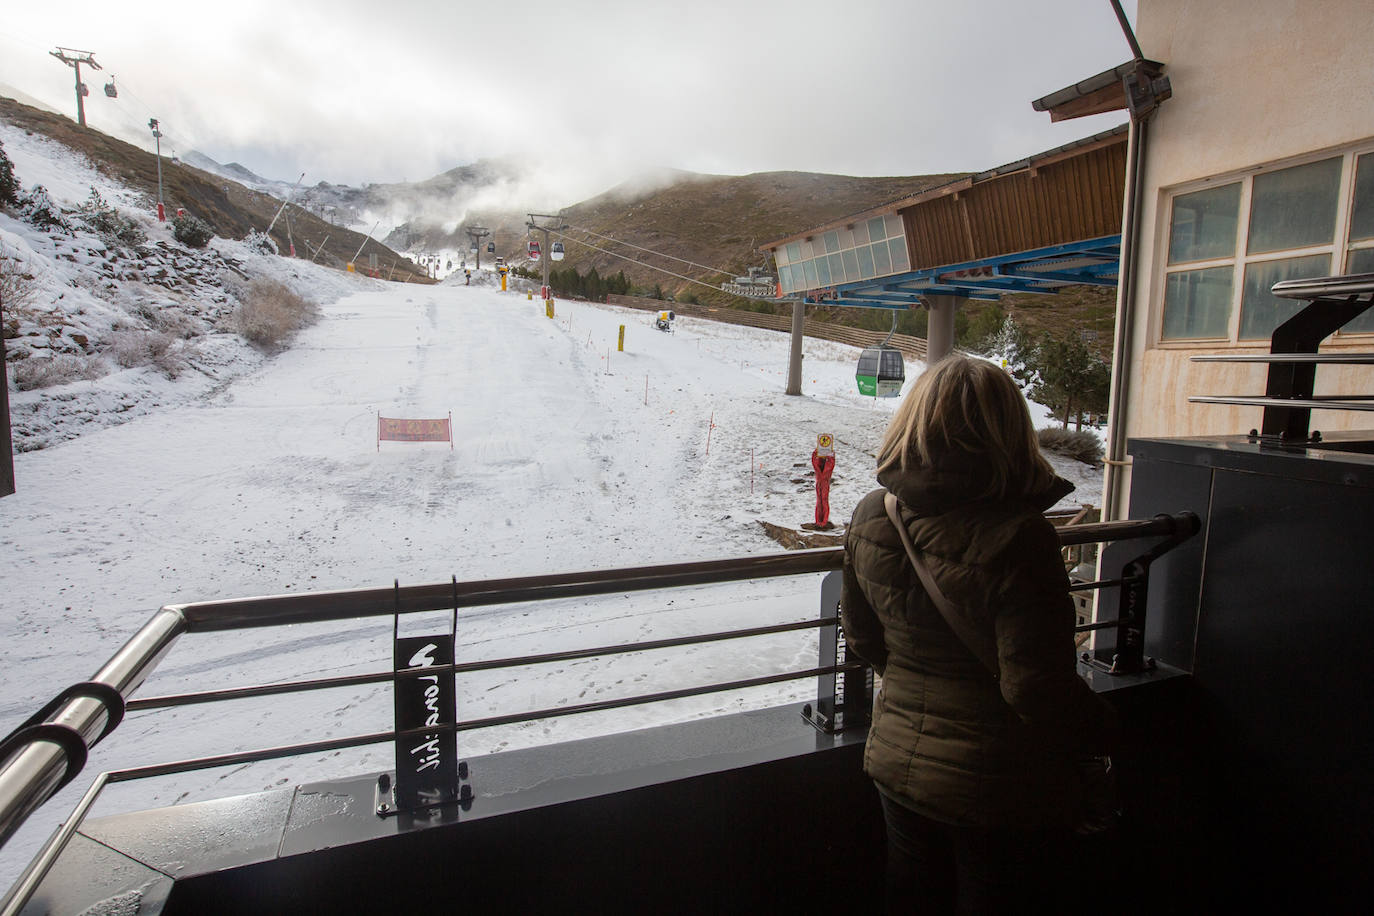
(45, 372)
(1080, 445)
(9, 185)
(192, 231)
(261, 241)
(18, 287)
(39, 209)
(271, 312)
(109, 223)
(131, 349)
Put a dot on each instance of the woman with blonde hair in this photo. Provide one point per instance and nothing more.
(981, 717)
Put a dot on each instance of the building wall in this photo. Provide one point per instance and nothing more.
(1255, 83)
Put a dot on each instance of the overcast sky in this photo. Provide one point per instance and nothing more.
(350, 91)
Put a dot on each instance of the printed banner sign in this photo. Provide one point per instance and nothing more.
(426, 764)
(392, 429)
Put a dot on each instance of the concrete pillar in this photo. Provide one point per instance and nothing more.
(940, 328)
(794, 365)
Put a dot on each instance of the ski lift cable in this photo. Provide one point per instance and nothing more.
(25, 40)
(651, 251)
(625, 257)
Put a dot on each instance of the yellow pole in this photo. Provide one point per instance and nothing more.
(621, 348)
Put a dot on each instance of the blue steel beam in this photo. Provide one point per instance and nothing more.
(1086, 279)
(1012, 273)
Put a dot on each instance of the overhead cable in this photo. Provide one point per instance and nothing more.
(625, 257)
(650, 251)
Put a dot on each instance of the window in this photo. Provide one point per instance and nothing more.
(1295, 208)
(871, 248)
(851, 264)
(1197, 303)
(836, 268)
(1230, 243)
(900, 262)
(1204, 224)
(865, 261)
(882, 259)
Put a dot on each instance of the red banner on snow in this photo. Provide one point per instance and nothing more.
(394, 429)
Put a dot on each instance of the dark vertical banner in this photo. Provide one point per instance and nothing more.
(6, 443)
(426, 764)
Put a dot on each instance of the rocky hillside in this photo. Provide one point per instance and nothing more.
(230, 208)
(107, 315)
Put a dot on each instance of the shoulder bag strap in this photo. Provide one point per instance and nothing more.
(957, 622)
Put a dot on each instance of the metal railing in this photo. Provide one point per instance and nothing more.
(48, 751)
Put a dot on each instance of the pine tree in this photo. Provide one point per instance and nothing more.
(1071, 378)
(9, 185)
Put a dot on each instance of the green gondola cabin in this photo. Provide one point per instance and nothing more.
(881, 372)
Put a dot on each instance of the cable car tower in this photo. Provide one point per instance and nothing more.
(545, 253)
(476, 234)
(75, 61)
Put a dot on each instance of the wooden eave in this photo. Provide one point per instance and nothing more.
(1117, 134)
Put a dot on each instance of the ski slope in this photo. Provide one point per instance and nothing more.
(568, 455)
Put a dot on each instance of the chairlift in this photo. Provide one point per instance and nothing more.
(556, 252)
(534, 250)
(881, 371)
(110, 90)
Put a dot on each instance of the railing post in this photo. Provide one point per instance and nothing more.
(1129, 657)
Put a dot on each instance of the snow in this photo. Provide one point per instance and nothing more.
(262, 475)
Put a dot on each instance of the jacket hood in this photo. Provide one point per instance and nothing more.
(934, 490)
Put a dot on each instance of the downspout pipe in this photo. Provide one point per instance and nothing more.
(1114, 484)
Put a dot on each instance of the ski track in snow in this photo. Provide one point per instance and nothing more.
(568, 455)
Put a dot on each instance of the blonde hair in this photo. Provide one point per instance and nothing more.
(970, 411)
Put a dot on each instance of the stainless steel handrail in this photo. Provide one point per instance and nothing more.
(34, 773)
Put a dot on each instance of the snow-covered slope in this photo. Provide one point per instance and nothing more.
(255, 474)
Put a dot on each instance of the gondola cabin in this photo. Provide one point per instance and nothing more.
(491, 248)
(556, 252)
(881, 372)
(534, 251)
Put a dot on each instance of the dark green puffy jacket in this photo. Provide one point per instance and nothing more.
(949, 740)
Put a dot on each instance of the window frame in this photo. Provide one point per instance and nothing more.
(1338, 250)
